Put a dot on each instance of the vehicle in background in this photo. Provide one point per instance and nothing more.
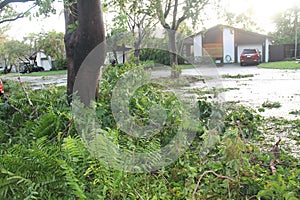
(1, 88)
(30, 68)
(250, 56)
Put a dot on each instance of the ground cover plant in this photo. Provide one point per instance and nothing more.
(43, 157)
(281, 65)
(238, 76)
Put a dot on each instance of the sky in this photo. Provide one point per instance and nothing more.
(263, 10)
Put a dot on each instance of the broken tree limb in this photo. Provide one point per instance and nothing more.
(275, 151)
(202, 175)
(36, 114)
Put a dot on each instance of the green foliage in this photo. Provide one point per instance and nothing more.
(280, 65)
(44, 158)
(269, 104)
(60, 64)
(158, 56)
(52, 43)
(238, 76)
(14, 49)
(286, 23)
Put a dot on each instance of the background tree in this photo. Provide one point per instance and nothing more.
(242, 20)
(12, 52)
(171, 14)
(286, 23)
(135, 17)
(52, 43)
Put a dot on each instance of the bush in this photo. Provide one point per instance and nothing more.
(59, 64)
(159, 56)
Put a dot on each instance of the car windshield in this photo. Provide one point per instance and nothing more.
(249, 51)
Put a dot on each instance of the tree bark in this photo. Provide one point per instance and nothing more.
(71, 39)
(90, 45)
(173, 53)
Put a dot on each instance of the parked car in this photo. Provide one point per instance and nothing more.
(1, 88)
(250, 56)
(30, 68)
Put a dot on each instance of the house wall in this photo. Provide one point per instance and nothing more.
(198, 46)
(43, 61)
(267, 43)
(228, 46)
(250, 46)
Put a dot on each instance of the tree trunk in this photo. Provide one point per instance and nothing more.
(173, 53)
(71, 40)
(83, 77)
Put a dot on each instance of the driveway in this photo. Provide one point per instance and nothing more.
(272, 85)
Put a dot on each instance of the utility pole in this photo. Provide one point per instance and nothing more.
(296, 32)
(296, 42)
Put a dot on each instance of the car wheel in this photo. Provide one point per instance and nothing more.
(242, 64)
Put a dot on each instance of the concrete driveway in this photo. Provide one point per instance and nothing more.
(272, 85)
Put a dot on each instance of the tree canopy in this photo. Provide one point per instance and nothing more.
(286, 23)
(9, 13)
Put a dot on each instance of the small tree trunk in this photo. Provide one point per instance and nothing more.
(173, 54)
(137, 50)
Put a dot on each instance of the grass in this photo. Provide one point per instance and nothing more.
(186, 66)
(237, 76)
(46, 73)
(295, 112)
(270, 105)
(281, 65)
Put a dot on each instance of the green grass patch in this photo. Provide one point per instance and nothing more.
(238, 76)
(295, 112)
(281, 65)
(269, 104)
(46, 73)
(186, 66)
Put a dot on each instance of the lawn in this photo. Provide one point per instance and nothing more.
(281, 65)
(46, 73)
(186, 66)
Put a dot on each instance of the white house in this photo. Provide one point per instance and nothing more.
(40, 59)
(226, 43)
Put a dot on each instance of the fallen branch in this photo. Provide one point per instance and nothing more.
(202, 175)
(275, 151)
(14, 107)
(27, 97)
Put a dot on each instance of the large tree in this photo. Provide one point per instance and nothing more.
(84, 32)
(171, 14)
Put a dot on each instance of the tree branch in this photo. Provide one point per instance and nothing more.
(21, 15)
(167, 9)
(6, 2)
(202, 175)
(36, 114)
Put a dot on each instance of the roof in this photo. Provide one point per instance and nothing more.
(241, 36)
(221, 26)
